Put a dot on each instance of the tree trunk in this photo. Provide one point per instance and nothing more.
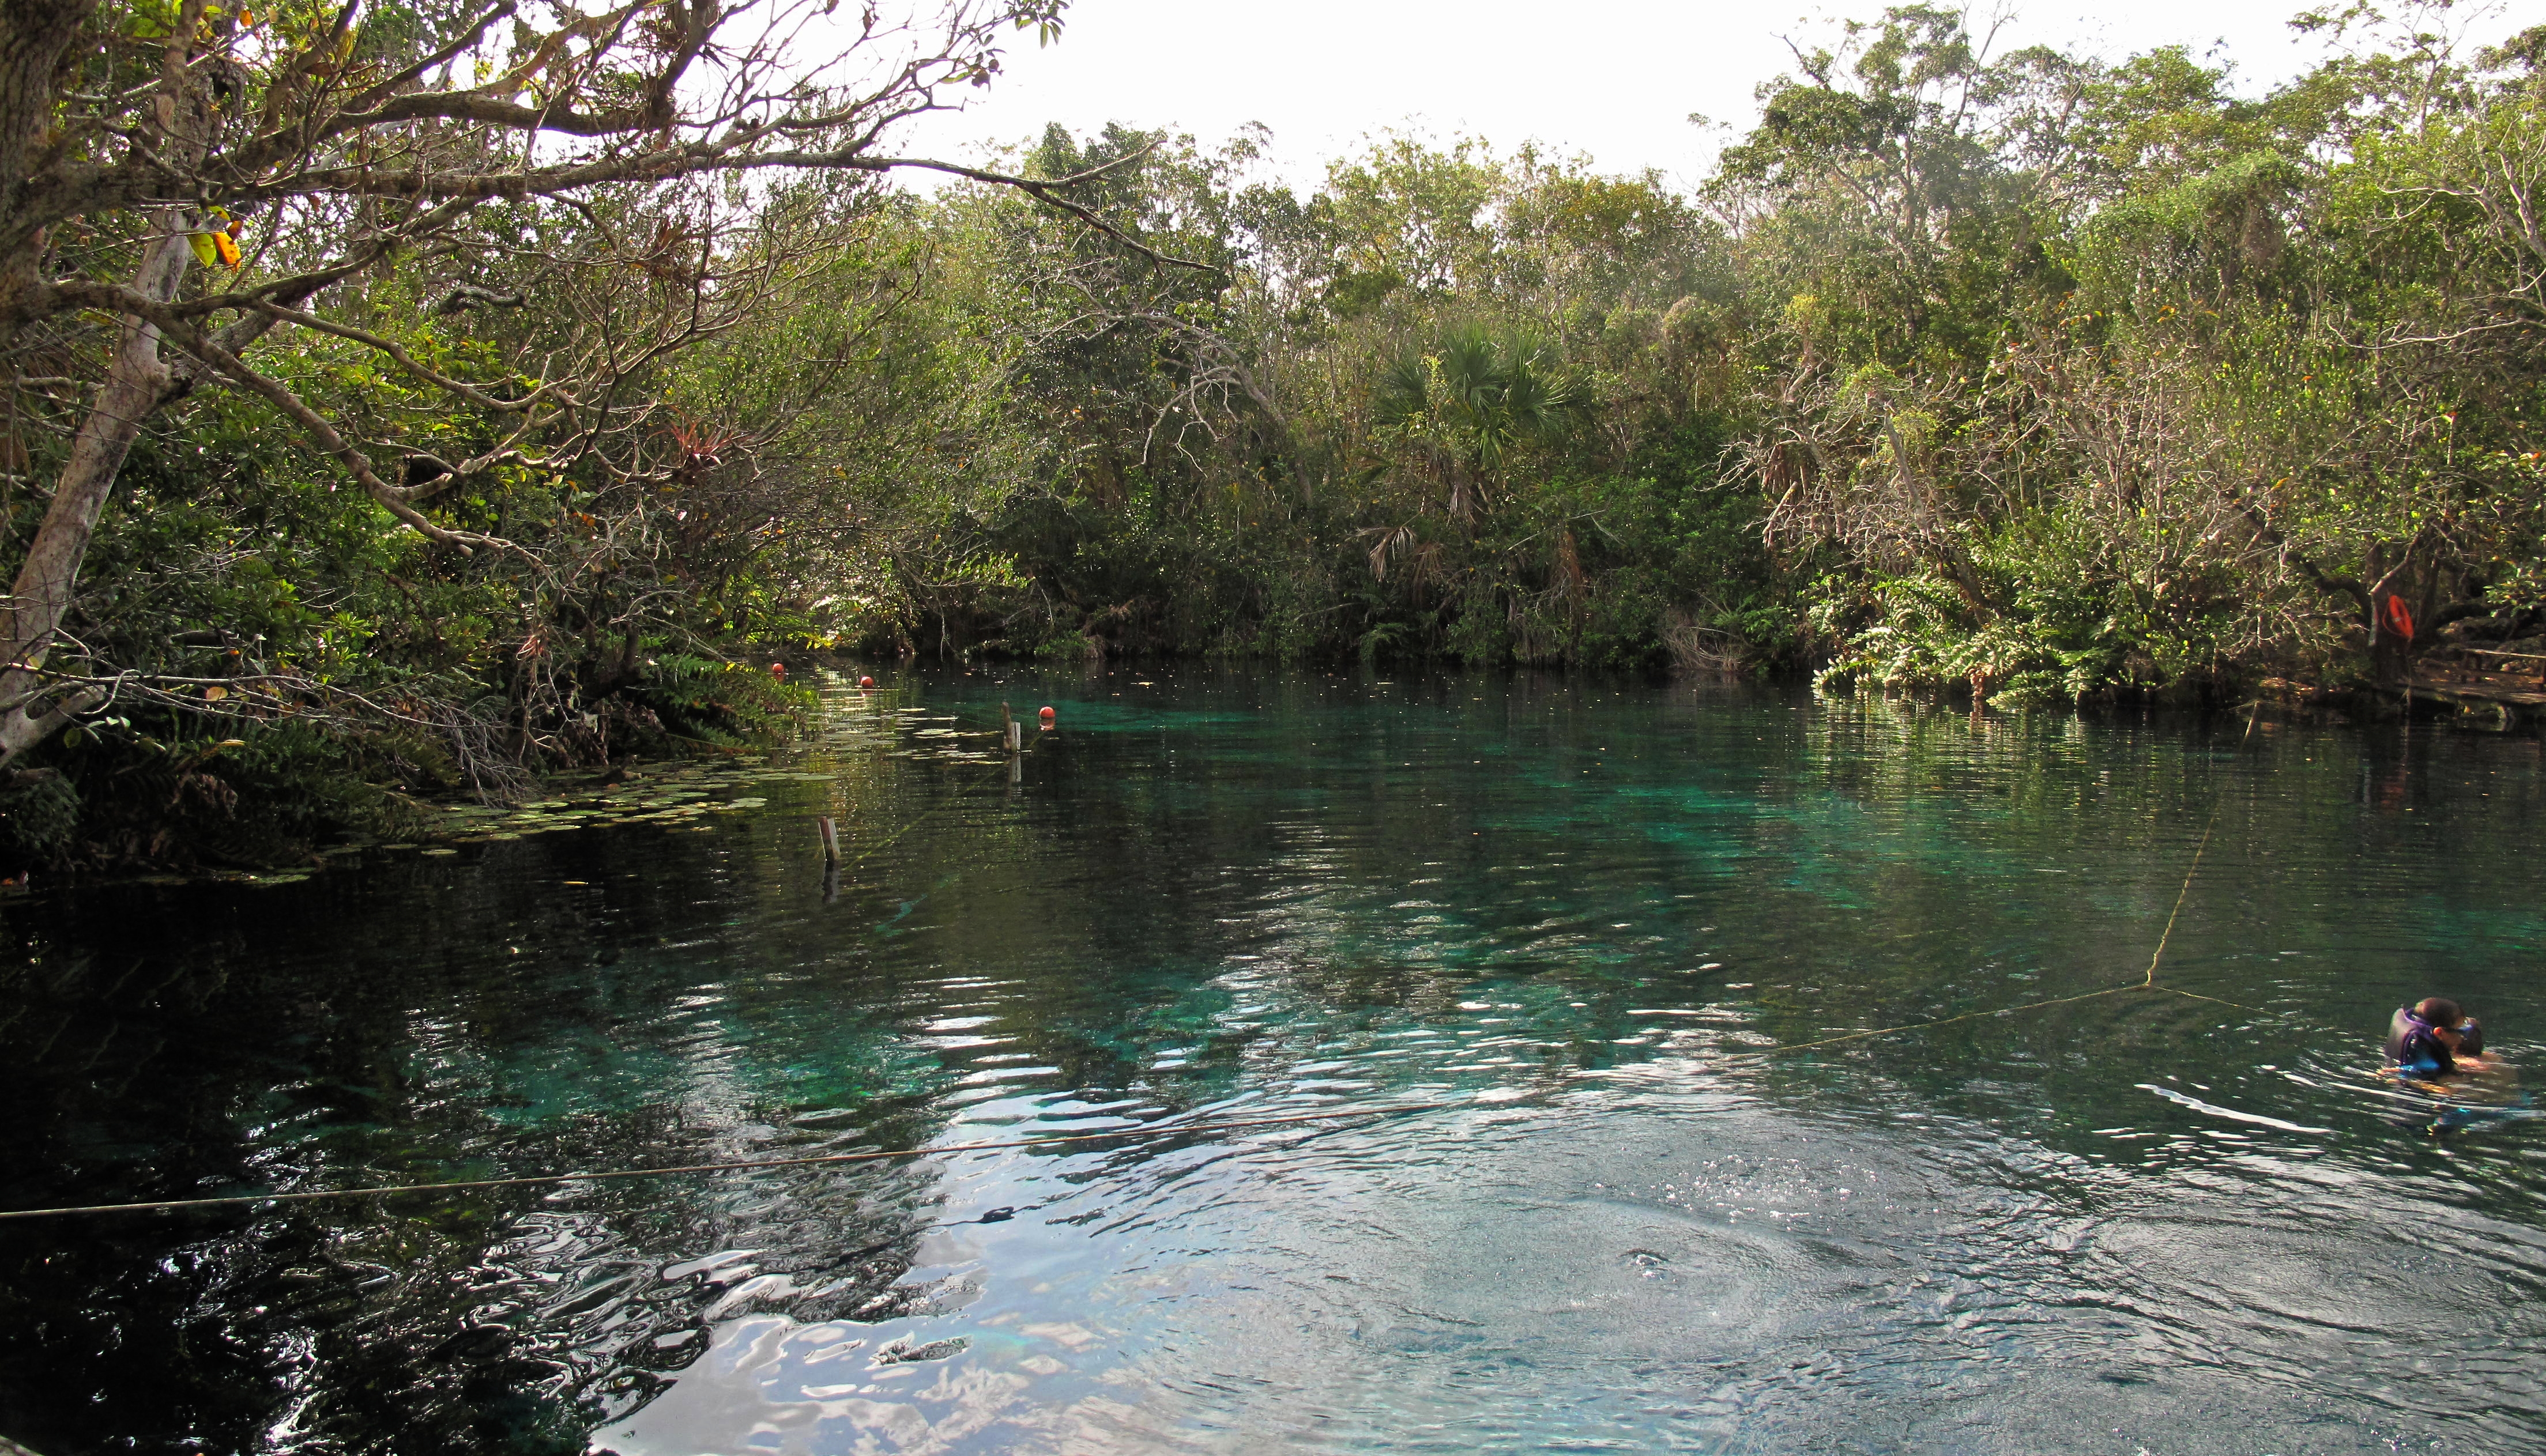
(34, 34)
(34, 708)
(2391, 658)
(2391, 654)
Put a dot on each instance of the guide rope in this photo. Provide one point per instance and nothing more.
(2146, 982)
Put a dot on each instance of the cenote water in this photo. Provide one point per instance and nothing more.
(1551, 913)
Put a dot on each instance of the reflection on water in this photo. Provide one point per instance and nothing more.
(1549, 912)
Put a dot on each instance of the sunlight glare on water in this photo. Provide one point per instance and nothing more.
(1543, 918)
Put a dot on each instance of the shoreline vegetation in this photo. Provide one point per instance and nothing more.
(402, 405)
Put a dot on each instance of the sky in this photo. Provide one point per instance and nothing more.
(1616, 79)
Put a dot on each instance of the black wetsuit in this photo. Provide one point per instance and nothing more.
(2412, 1048)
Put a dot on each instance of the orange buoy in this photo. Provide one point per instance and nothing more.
(2400, 621)
(778, 670)
(1046, 716)
(866, 681)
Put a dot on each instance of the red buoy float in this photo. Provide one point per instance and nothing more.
(866, 681)
(1046, 716)
(2399, 620)
(778, 670)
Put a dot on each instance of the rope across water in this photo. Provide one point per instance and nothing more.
(2146, 982)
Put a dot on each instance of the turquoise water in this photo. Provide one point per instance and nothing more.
(1552, 915)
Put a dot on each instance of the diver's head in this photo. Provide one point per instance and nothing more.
(2449, 1022)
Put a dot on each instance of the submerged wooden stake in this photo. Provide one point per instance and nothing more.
(830, 840)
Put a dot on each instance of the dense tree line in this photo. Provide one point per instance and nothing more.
(522, 398)
(2042, 376)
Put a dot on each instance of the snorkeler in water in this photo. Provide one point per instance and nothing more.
(2434, 1038)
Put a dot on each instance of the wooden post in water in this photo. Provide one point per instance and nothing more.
(830, 840)
(1011, 731)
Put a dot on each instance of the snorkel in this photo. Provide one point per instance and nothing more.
(2430, 1037)
(2463, 1036)
(2427, 1037)
(2446, 1036)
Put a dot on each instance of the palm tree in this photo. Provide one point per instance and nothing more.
(1472, 403)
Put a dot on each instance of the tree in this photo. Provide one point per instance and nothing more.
(1467, 407)
(444, 145)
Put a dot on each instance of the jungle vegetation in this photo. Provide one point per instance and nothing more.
(421, 398)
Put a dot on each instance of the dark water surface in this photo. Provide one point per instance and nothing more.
(1552, 911)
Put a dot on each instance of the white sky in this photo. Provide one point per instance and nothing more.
(1614, 78)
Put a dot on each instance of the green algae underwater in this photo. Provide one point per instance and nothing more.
(1559, 914)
